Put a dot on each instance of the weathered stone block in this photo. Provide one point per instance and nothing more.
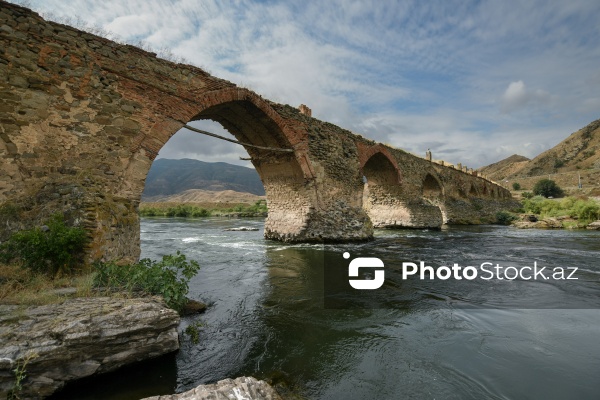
(79, 338)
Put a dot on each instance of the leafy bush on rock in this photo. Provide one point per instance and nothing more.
(168, 278)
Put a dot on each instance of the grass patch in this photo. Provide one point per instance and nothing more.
(22, 287)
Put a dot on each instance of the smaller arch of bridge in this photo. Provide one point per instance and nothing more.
(365, 153)
(473, 191)
(383, 197)
(432, 187)
(382, 169)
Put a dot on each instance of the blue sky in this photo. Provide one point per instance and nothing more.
(475, 81)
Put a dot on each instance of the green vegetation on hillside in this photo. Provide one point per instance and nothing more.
(585, 210)
(194, 211)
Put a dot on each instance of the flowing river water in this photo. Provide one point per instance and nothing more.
(510, 339)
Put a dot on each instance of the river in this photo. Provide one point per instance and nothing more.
(509, 339)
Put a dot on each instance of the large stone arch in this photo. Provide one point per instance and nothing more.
(286, 176)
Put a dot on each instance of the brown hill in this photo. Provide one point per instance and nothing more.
(509, 166)
(576, 156)
(207, 196)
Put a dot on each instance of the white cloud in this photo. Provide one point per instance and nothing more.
(517, 96)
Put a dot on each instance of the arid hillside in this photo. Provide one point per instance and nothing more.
(509, 166)
(577, 157)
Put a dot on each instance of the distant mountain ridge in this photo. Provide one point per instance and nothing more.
(170, 177)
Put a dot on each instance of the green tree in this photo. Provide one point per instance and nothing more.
(547, 188)
(516, 186)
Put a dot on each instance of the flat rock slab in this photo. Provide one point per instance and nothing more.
(594, 225)
(243, 388)
(547, 223)
(80, 337)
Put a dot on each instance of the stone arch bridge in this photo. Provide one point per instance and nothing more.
(82, 118)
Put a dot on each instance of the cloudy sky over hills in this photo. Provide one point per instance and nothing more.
(475, 81)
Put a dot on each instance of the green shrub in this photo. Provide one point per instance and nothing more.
(200, 212)
(168, 278)
(54, 248)
(527, 195)
(547, 188)
(587, 210)
(558, 163)
(149, 212)
(504, 218)
(516, 186)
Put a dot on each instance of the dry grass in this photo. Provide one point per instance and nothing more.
(23, 287)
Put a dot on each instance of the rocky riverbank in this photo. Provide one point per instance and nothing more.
(532, 221)
(44, 347)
